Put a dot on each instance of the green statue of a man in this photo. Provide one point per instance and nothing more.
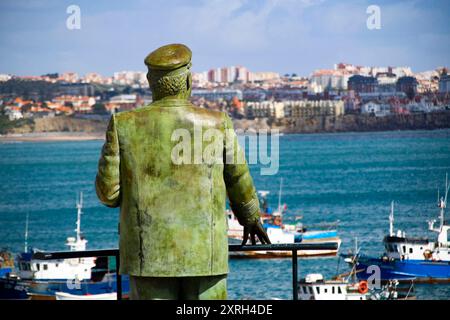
(173, 229)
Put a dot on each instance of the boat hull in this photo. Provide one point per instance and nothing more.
(46, 289)
(12, 289)
(102, 296)
(407, 270)
(288, 254)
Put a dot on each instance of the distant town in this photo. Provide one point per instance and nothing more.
(344, 89)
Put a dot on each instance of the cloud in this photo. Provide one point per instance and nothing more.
(278, 35)
(233, 25)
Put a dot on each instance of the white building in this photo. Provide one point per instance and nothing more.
(230, 75)
(264, 109)
(303, 109)
(242, 74)
(264, 76)
(13, 114)
(386, 78)
(322, 80)
(5, 77)
(314, 88)
(93, 77)
(71, 77)
(423, 107)
(402, 72)
(130, 77)
(377, 109)
(199, 79)
(123, 99)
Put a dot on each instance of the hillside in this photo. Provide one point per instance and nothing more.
(55, 124)
(423, 121)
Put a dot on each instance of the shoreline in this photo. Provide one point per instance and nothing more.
(52, 136)
(91, 136)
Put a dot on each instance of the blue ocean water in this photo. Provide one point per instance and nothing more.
(350, 177)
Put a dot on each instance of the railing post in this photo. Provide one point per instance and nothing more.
(118, 277)
(294, 275)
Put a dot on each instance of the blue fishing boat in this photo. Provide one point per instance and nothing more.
(41, 279)
(9, 288)
(409, 258)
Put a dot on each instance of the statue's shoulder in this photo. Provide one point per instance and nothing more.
(123, 116)
(126, 115)
(205, 111)
(218, 116)
(212, 115)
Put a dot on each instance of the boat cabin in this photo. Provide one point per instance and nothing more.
(403, 248)
(313, 287)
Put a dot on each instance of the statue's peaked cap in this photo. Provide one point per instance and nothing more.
(169, 57)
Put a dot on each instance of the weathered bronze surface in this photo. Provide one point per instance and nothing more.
(172, 221)
(174, 288)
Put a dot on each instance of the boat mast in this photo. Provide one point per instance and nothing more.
(438, 200)
(79, 212)
(391, 220)
(279, 196)
(26, 234)
(355, 257)
(443, 202)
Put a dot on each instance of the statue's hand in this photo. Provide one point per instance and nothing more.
(255, 230)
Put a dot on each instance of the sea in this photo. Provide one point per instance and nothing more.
(349, 178)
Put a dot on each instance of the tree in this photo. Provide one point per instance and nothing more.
(99, 108)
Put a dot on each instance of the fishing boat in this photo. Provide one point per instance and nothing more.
(279, 231)
(348, 287)
(411, 258)
(41, 279)
(314, 287)
(9, 287)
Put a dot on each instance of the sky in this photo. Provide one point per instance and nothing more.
(285, 36)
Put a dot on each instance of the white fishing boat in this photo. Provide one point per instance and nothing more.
(314, 287)
(40, 279)
(78, 269)
(280, 232)
(102, 296)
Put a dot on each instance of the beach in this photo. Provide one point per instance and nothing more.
(52, 136)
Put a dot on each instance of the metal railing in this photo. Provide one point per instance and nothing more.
(294, 247)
